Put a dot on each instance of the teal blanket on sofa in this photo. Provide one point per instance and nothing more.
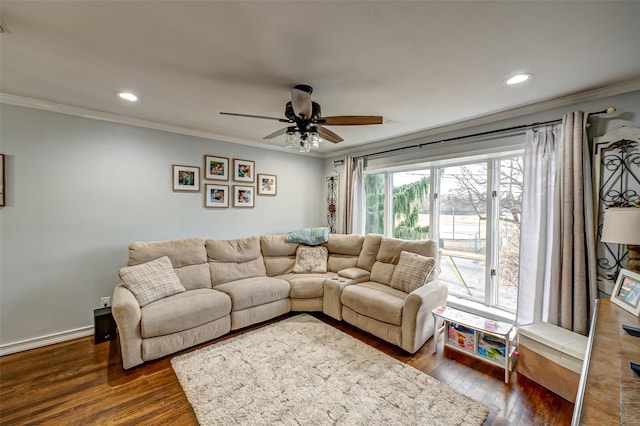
(310, 236)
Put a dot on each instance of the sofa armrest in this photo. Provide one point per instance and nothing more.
(333, 287)
(127, 314)
(417, 320)
(332, 290)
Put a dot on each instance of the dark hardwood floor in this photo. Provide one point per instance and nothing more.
(79, 383)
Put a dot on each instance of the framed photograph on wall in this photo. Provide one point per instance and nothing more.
(244, 170)
(267, 184)
(243, 196)
(216, 168)
(626, 292)
(186, 178)
(216, 196)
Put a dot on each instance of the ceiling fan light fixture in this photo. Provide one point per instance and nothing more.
(518, 79)
(315, 141)
(305, 145)
(293, 138)
(306, 124)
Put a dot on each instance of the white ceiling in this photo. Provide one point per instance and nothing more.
(421, 65)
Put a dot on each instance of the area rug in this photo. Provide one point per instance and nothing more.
(303, 371)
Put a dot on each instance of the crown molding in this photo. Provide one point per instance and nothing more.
(601, 92)
(10, 99)
(549, 104)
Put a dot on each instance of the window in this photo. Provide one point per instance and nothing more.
(511, 175)
(374, 203)
(410, 205)
(463, 229)
(471, 208)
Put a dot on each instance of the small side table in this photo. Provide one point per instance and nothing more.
(104, 325)
(491, 341)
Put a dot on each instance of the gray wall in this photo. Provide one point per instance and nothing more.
(80, 190)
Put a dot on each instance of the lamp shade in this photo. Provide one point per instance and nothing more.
(621, 225)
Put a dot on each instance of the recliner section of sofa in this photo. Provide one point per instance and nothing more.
(169, 325)
(403, 319)
(232, 284)
(237, 269)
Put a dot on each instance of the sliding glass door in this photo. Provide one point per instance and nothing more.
(472, 209)
(463, 229)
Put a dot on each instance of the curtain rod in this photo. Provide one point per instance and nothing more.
(609, 110)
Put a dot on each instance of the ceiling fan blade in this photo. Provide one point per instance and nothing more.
(276, 133)
(264, 117)
(350, 120)
(328, 135)
(301, 100)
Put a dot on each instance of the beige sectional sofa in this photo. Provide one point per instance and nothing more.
(231, 284)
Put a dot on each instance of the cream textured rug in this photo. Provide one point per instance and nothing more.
(303, 371)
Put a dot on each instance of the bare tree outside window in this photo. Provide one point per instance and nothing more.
(468, 195)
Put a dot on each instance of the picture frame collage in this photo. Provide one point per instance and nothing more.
(247, 184)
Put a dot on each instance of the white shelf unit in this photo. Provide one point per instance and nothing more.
(487, 340)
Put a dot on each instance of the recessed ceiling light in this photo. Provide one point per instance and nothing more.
(517, 79)
(128, 96)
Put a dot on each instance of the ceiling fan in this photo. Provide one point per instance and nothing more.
(307, 122)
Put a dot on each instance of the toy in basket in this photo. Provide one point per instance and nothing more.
(491, 347)
(461, 337)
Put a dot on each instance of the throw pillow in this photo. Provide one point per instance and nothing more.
(151, 281)
(311, 259)
(412, 271)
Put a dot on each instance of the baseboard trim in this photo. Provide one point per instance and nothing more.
(38, 342)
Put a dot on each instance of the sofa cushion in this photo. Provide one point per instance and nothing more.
(389, 255)
(347, 244)
(375, 300)
(188, 257)
(250, 292)
(184, 252)
(382, 272)
(355, 274)
(390, 249)
(338, 262)
(412, 271)
(275, 245)
(242, 250)
(370, 247)
(311, 259)
(183, 311)
(307, 286)
(344, 250)
(279, 265)
(279, 255)
(151, 281)
(231, 260)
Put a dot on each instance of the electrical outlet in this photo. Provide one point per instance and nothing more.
(105, 301)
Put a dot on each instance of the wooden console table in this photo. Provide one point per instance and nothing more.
(611, 389)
